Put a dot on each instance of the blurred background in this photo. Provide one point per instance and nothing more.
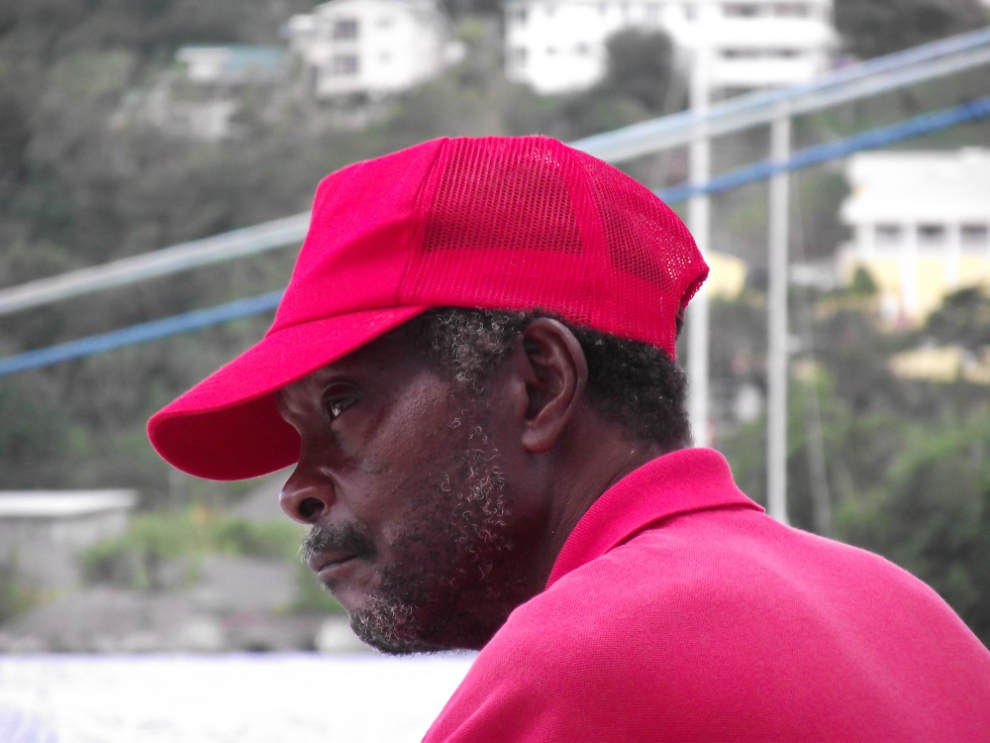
(128, 126)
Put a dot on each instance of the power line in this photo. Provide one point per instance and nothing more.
(820, 153)
(870, 78)
(215, 249)
(142, 333)
(814, 155)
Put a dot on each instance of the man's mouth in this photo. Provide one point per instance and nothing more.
(329, 561)
(330, 551)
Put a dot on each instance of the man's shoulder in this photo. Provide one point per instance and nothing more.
(690, 621)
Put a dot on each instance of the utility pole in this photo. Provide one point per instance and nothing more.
(699, 222)
(780, 149)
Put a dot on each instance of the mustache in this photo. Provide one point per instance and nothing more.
(339, 538)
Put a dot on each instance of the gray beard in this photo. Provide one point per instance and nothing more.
(460, 583)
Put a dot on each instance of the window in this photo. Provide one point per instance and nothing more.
(517, 56)
(792, 10)
(931, 235)
(551, 50)
(551, 9)
(974, 235)
(653, 12)
(343, 65)
(742, 53)
(384, 22)
(741, 10)
(689, 11)
(582, 49)
(345, 28)
(887, 235)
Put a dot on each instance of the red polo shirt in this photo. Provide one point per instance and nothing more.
(678, 611)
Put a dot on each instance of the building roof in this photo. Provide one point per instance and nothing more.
(63, 503)
(234, 61)
(415, 5)
(918, 186)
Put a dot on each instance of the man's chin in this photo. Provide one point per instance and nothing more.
(389, 639)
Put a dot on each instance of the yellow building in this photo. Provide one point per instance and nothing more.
(727, 276)
(920, 224)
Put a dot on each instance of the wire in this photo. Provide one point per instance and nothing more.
(820, 153)
(814, 155)
(142, 333)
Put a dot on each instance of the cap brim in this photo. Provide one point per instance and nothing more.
(228, 426)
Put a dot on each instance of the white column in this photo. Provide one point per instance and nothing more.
(780, 146)
(699, 224)
(953, 249)
(909, 271)
(866, 237)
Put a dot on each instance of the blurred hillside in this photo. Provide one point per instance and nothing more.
(901, 465)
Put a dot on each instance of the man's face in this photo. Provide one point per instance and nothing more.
(416, 529)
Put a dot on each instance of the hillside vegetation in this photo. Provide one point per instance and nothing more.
(905, 465)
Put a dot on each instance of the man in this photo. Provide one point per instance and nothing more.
(472, 371)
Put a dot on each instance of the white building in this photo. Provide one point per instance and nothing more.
(42, 531)
(371, 46)
(230, 65)
(920, 225)
(559, 45)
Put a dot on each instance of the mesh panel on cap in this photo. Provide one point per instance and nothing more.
(501, 230)
(524, 223)
(492, 198)
(648, 241)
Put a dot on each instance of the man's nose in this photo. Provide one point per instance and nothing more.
(306, 496)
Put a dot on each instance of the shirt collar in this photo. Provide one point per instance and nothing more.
(679, 482)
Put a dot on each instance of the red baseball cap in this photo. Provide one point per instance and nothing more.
(511, 223)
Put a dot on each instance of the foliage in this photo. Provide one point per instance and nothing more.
(148, 552)
(963, 318)
(641, 66)
(15, 596)
(162, 549)
(641, 81)
(906, 464)
(31, 433)
(863, 283)
(267, 539)
(80, 186)
(311, 596)
(871, 28)
(931, 515)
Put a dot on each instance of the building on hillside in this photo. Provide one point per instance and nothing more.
(371, 47)
(920, 224)
(727, 276)
(943, 364)
(559, 45)
(42, 532)
(201, 96)
(231, 65)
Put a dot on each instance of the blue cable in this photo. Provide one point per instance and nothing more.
(142, 333)
(814, 155)
(820, 153)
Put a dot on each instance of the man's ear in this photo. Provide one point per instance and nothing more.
(556, 375)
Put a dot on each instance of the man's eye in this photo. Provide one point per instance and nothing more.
(337, 405)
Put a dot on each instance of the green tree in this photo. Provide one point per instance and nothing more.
(931, 515)
(641, 81)
(870, 28)
(963, 319)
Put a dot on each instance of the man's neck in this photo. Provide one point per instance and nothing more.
(594, 456)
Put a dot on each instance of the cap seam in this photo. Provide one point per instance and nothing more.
(419, 221)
